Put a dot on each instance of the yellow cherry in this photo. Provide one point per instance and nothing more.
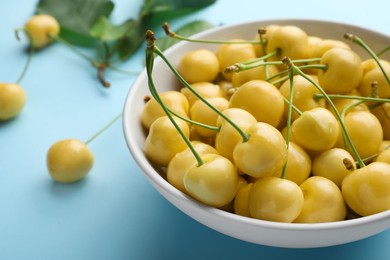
(182, 161)
(298, 164)
(366, 190)
(202, 113)
(40, 28)
(263, 154)
(316, 129)
(303, 94)
(230, 54)
(260, 98)
(214, 183)
(174, 100)
(69, 160)
(323, 201)
(199, 65)
(164, 141)
(241, 201)
(227, 137)
(334, 164)
(204, 89)
(275, 199)
(12, 100)
(365, 132)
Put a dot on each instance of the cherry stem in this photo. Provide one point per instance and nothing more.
(150, 51)
(171, 34)
(337, 96)
(209, 127)
(30, 53)
(362, 44)
(380, 53)
(288, 63)
(261, 32)
(101, 66)
(247, 65)
(104, 128)
(338, 116)
(74, 49)
(282, 79)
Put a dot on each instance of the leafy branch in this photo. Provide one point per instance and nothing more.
(87, 23)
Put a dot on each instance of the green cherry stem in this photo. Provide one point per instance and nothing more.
(150, 51)
(157, 51)
(104, 128)
(101, 66)
(380, 53)
(171, 34)
(336, 96)
(338, 116)
(209, 127)
(71, 47)
(362, 44)
(288, 63)
(262, 41)
(30, 53)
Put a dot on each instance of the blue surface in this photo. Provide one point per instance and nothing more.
(115, 213)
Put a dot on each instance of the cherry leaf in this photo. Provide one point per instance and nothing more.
(76, 17)
(105, 31)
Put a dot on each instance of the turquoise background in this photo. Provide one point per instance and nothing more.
(115, 213)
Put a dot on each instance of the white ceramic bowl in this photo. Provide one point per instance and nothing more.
(247, 229)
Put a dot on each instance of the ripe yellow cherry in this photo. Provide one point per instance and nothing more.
(230, 54)
(174, 100)
(260, 73)
(40, 28)
(214, 183)
(372, 72)
(241, 201)
(263, 154)
(202, 113)
(316, 129)
(260, 98)
(303, 94)
(323, 201)
(275, 199)
(366, 190)
(199, 65)
(12, 100)
(204, 89)
(182, 161)
(164, 141)
(344, 71)
(298, 164)
(320, 47)
(227, 137)
(291, 41)
(333, 164)
(382, 112)
(268, 31)
(365, 132)
(383, 156)
(69, 160)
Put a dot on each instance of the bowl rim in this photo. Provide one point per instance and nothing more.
(158, 181)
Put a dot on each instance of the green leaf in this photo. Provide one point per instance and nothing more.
(76, 17)
(159, 10)
(105, 31)
(164, 6)
(186, 30)
(131, 41)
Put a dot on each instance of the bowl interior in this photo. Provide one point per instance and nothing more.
(251, 230)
